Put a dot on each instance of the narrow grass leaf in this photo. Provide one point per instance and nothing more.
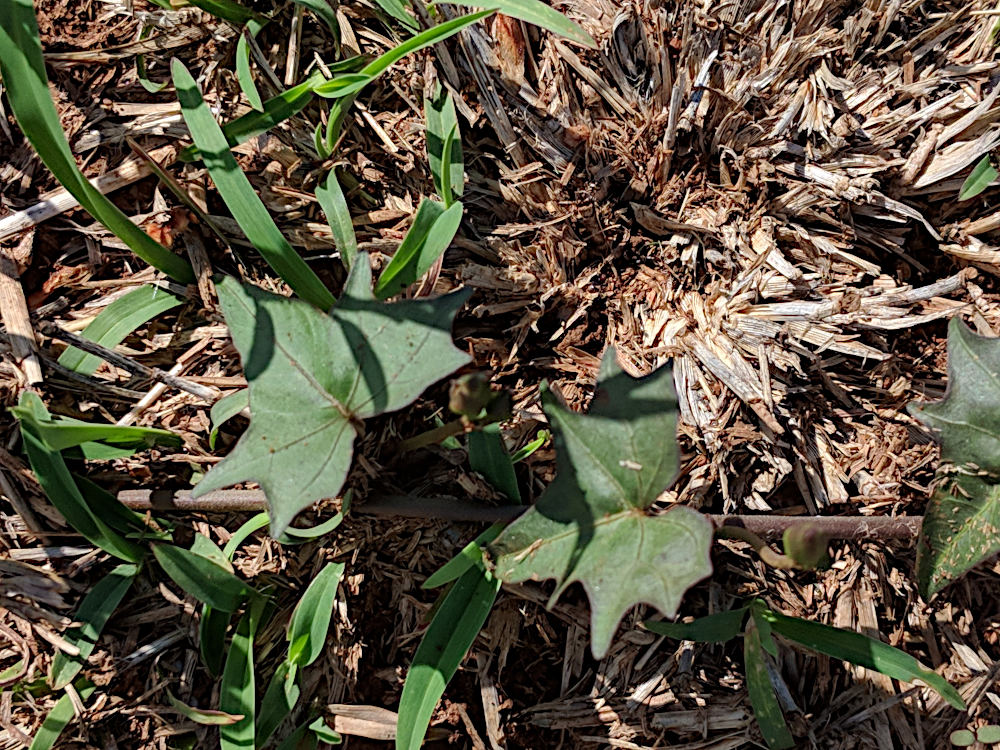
(439, 113)
(522, 453)
(140, 66)
(717, 628)
(979, 179)
(331, 199)
(292, 535)
(471, 554)
(59, 717)
(229, 10)
(22, 68)
(397, 9)
(323, 11)
(323, 733)
(430, 235)
(238, 692)
(212, 638)
(118, 320)
(488, 456)
(203, 716)
(106, 506)
(203, 577)
(311, 617)
(225, 409)
(280, 698)
(277, 109)
(537, 13)
(334, 88)
(764, 702)
(57, 482)
(95, 609)
(448, 638)
(863, 651)
(239, 195)
(244, 73)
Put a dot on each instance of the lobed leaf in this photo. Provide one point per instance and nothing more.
(589, 525)
(312, 376)
(961, 525)
(22, 68)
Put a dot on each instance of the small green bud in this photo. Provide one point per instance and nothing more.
(469, 395)
(807, 546)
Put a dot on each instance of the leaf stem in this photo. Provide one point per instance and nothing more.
(768, 555)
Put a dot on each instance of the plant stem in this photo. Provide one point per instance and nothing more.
(857, 528)
(768, 555)
(432, 437)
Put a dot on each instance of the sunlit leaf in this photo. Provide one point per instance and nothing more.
(980, 178)
(432, 231)
(311, 617)
(202, 576)
(589, 526)
(534, 12)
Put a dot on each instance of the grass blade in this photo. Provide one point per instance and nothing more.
(238, 691)
(336, 88)
(311, 618)
(239, 195)
(279, 700)
(451, 633)
(204, 577)
(471, 554)
(225, 409)
(979, 179)
(522, 453)
(488, 455)
(244, 75)
(717, 628)
(439, 113)
(57, 481)
(397, 9)
(23, 71)
(331, 199)
(431, 233)
(140, 66)
(203, 716)
(536, 13)
(228, 10)
(118, 320)
(861, 650)
(764, 702)
(59, 718)
(95, 609)
(323, 10)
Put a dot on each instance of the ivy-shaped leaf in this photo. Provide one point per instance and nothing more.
(314, 377)
(962, 522)
(590, 527)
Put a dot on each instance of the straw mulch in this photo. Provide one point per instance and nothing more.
(763, 193)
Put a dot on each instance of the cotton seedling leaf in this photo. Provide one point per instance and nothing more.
(313, 377)
(961, 525)
(589, 526)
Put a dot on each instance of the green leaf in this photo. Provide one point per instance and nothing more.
(589, 525)
(321, 730)
(22, 68)
(205, 717)
(537, 13)
(229, 10)
(445, 157)
(861, 650)
(717, 628)
(522, 453)
(244, 75)
(471, 555)
(59, 718)
(140, 66)
(432, 231)
(303, 738)
(280, 698)
(351, 84)
(311, 617)
(225, 409)
(202, 576)
(95, 609)
(312, 376)
(488, 456)
(988, 734)
(961, 525)
(457, 622)
(276, 110)
(239, 195)
(397, 9)
(57, 481)
(326, 13)
(116, 321)
(331, 199)
(238, 692)
(979, 179)
(293, 535)
(766, 709)
(962, 738)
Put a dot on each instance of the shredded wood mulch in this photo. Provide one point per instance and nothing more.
(762, 193)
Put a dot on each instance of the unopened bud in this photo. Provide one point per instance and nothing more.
(807, 546)
(470, 395)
